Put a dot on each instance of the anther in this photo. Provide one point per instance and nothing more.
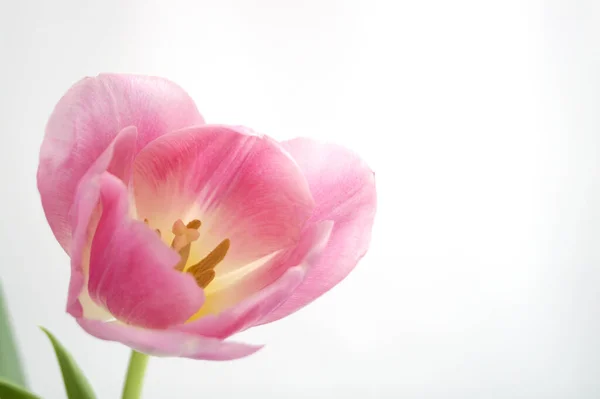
(203, 279)
(211, 260)
(194, 224)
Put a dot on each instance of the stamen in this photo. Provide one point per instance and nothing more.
(203, 279)
(211, 260)
(194, 224)
(202, 271)
(147, 223)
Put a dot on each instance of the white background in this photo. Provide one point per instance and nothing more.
(481, 122)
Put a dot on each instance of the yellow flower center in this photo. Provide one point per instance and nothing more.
(185, 234)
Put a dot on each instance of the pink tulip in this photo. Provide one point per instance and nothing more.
(182, 233)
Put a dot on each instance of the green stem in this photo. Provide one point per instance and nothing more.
(135, 375)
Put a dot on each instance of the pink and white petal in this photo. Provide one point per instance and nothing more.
(168, 342)
(250, 311)
(132, 271)
(85, 213)
(343, 187)
(244, 298)
(86, 120)
(241, 185)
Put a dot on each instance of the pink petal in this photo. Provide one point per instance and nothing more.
(117, 157)
(86, 120)
(241, 185)
(249, 312)
(132, 271)
(343, 187)
(247, 301)
(168, 342)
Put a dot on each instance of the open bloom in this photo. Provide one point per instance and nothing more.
(182, 233)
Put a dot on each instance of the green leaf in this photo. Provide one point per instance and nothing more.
(8, 390)
(76, 385)
(10, 364)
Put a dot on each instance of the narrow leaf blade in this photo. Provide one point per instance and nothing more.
(9, 390)
(76, 385)
(10, 363)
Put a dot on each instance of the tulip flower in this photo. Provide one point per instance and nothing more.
(182, 233)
